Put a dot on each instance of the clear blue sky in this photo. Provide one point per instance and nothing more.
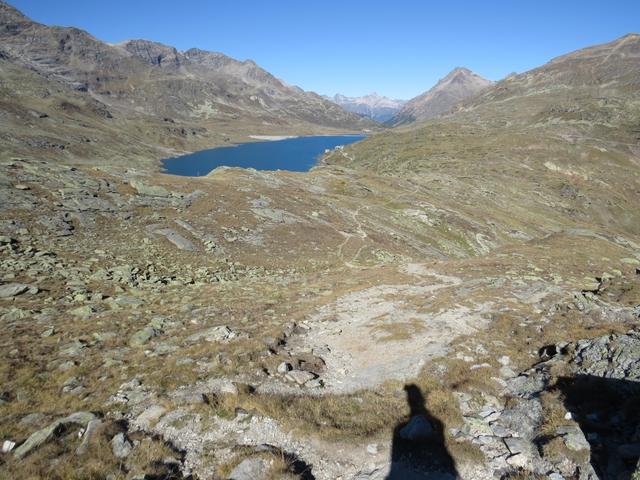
(396, 47)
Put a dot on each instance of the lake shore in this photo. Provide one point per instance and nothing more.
(272, 137)
(291, 153)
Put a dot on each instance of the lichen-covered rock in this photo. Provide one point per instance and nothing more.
(150, 190)
(141, 337)
(121, 446)
(249, 469)
(41, 437)
(12, 289)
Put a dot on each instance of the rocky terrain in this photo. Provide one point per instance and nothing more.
(452, 299)
(460, 84)
(373, 106)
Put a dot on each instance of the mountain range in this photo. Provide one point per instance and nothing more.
(373, 106)
(188, 97)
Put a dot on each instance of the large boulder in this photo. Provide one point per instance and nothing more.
(46, 434)
(12, 289)
(149, 190)
(250, 469)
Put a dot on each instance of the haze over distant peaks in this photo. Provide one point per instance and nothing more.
(373, 106)
(460, 84)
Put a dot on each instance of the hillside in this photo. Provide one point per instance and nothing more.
(460, 84)
(143, 91)
(562, 138)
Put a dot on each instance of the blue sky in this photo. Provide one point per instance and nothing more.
(398, 48)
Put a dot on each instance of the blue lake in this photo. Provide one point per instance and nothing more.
(293, 154)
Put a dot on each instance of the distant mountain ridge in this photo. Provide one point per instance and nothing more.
(138, 78)
(460, 84)
(373, 106)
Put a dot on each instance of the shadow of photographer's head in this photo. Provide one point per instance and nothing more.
(415, 399)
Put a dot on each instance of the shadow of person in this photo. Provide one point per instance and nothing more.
(607, 411)
(418, 450)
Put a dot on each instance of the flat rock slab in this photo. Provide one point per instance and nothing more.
(149, 190)
(120, 446)
(41, 437)
(12, 289)
(249, 469)
(220, 333)
(300, 376)
(177, 239)
(386, 332)
(150, 416)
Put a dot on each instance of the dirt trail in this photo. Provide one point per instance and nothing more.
(387, 331)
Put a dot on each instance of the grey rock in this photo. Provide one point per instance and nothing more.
(219, 333)
(89, 434)
(149, 190)
(59, 224)
(68, 365)
(83, 312)
(44, 435)
(142, 336)
(519, 460)
(7, 446)
(517, 445)
(150, 416)
(6, 240)
(120, 446)
(612, 356)
(284, 367)
(522, 416)
(12, 289)
(317, 383)
(126, 301)
(162, 323)
(476, 427)
(177, 239)
(33, 419)
(573, 437)
(526, 384)
(506, 372)
(73, 349)
(636, 473)
(249, 469)
(48, 332)
(300, 376)
(188, 397)
(104, 336)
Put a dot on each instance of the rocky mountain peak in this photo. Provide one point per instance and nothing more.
(12, 19)
(374, 106)
(459, 84)
(153, 52)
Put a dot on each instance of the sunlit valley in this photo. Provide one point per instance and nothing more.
(208, 273)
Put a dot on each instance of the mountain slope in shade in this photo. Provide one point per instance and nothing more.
(458, 85)
(373, 106)
(192, 95)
